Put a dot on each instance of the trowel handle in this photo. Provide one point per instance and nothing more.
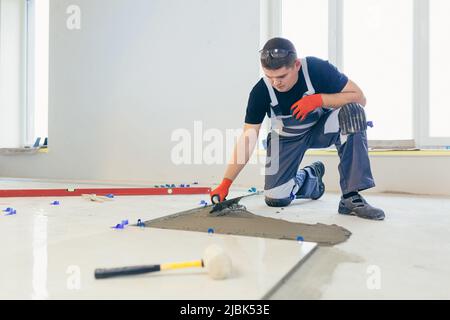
(215, 199)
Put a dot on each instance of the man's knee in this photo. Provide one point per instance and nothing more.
(352, 119)
(278, 202)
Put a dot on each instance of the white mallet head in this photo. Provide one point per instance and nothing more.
(217, 262)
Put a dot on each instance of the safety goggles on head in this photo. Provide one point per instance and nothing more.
(275, 53)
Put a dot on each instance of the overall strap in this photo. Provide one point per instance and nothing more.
(307, 78)
(273, 97)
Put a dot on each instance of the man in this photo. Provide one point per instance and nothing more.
(310, 105)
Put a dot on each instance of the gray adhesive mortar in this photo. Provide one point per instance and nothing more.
(239, 221)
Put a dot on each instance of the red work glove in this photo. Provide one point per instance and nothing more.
(222, 190)
(305, 105)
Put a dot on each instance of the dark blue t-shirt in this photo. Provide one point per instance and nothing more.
(325, 78)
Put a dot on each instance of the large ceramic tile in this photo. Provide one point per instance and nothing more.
(46, 247)
(65, 270)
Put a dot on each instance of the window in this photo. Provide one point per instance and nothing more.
(24, 39)
(305, 23)
(439, 69)
(377, 55)
(397, 51)
(12, 72)
(37, 69)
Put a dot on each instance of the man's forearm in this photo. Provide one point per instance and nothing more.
(338, 100)
(233, 170)
(241, 154)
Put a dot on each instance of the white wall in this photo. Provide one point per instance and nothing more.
(138, 70)
(427, 175)
(135, 72)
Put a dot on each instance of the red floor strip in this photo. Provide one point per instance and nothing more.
(11, 193)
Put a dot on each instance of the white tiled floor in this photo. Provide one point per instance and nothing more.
(52, 251)
(404, 257)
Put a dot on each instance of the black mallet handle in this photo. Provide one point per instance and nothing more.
(125, 271)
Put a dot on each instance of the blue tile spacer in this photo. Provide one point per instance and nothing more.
(300, 238)
(370, 124)
(140, 223)
(12, 212)
(210, 230)
(110, 195)
(124, 222)
(182, 185)
(203, 203)
(55, 203)
(188, 186)
(252, 189)
(118, 226)
(9, 209)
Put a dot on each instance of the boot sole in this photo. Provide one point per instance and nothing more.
(349, 212)
(319, 176)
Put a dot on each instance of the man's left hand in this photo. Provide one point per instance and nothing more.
(306, 105)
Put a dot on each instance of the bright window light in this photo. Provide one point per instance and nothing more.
(41, 65)
(378, 53)
(439, 68)
(305, 23)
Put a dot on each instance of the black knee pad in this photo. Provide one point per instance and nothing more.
(278, 202)
(352, 119)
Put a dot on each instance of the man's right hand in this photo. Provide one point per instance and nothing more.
(221, 191)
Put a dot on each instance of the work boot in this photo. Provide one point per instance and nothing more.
(358, 206)
(319, 170)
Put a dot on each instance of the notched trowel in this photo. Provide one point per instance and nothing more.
(227, 206)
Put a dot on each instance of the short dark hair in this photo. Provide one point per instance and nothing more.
(272, 63)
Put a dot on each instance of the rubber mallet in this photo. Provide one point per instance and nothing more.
(215, 260)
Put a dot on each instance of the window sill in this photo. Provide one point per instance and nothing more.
(380, 153)
(22, 151)
(390, 153)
